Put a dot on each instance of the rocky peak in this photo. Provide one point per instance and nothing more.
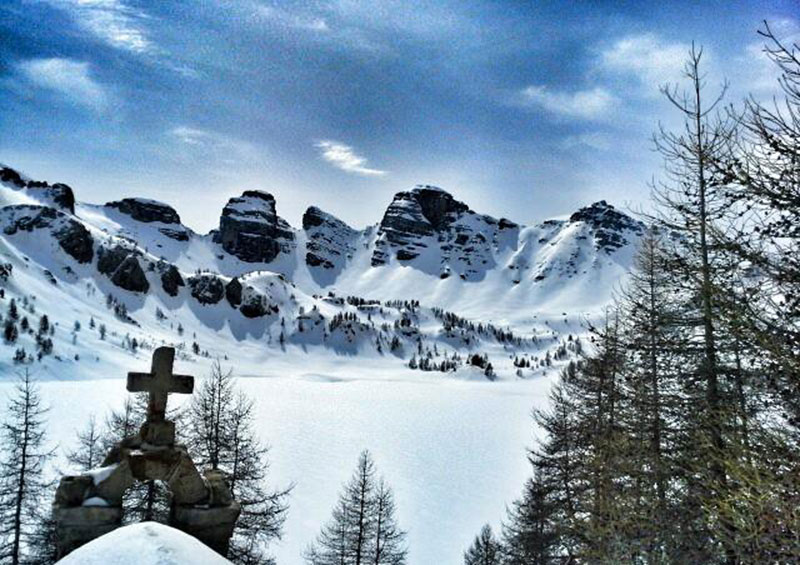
(57, 195)
(144, 210)
(251, 229)
(428, 216)
(608, 223)
(330, 242)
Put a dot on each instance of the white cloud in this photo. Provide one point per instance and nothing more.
(343, 157)
(586, 104)
(69, 78)
(594, 140)
(202, 145)
(649, 58)
(111, 21)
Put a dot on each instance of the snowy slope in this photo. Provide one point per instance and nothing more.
(312, 337)
(260, 287)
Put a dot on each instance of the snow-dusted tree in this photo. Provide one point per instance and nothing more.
(485, 550)
(23, 488)
(362, 529)
(221, 436)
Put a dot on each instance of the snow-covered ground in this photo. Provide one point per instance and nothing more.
(453, 450)
(144, 543)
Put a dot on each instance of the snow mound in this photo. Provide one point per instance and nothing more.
(148, 542)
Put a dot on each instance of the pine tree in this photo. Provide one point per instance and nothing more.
(221, 436)
(23, 487)
(485, 550)
(362, 529)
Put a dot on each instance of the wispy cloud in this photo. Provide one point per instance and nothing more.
(595, 140)
(202, 145)
(345, 158)
(649, 58)
(112, 21)
(69, 78)
(584, 104)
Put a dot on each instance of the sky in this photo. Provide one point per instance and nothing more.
(524, 110)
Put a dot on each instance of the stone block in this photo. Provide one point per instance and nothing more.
(81, 524)
(113, 487)
(219, 493)
(211, 525)
(158, 433)
(72, 490)
(186, 484)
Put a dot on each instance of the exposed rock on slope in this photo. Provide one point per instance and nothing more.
(330, 243)
(428, 222)
(250, 228)
(71, 235)
(609, 225)
(151, 211)
(58, 195)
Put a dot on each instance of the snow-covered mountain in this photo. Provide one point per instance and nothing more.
(433, 285)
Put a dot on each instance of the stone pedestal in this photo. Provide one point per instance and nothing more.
(202, 506)
(81, 524)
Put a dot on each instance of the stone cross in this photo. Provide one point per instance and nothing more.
(159, 382)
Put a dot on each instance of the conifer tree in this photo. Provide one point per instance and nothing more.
(23, 486)
(221, 437)
(362, 529)
(485, 550)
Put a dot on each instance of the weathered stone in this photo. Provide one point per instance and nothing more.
(185, 482)
(158, 433)
(219, 493)
(148, 456)
(609, 225)
(72, 491)
(113, 487)
(254, 306)
(72, 236)
(213, 525)
(76, 241)
(130, 276)
(78, 525)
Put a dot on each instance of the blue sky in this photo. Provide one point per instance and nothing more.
(522, 109)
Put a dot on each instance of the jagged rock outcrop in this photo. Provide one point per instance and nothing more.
(152, 211)
(233, 292)
(171, 280)
(609, 225)
(429, 220)
(72, 236)
(206, 288)
(330, 242)
(58, 195)
(110, 258)
(251, 230)
(130, 276)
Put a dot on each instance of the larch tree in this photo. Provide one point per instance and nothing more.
(24, 489)
(485, 550)
(221, 436)
(362, 529)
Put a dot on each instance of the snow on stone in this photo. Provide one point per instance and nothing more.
(147, 542)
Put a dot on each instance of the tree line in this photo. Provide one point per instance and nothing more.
(676, 440)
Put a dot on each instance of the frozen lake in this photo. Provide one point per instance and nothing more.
(452, 450)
